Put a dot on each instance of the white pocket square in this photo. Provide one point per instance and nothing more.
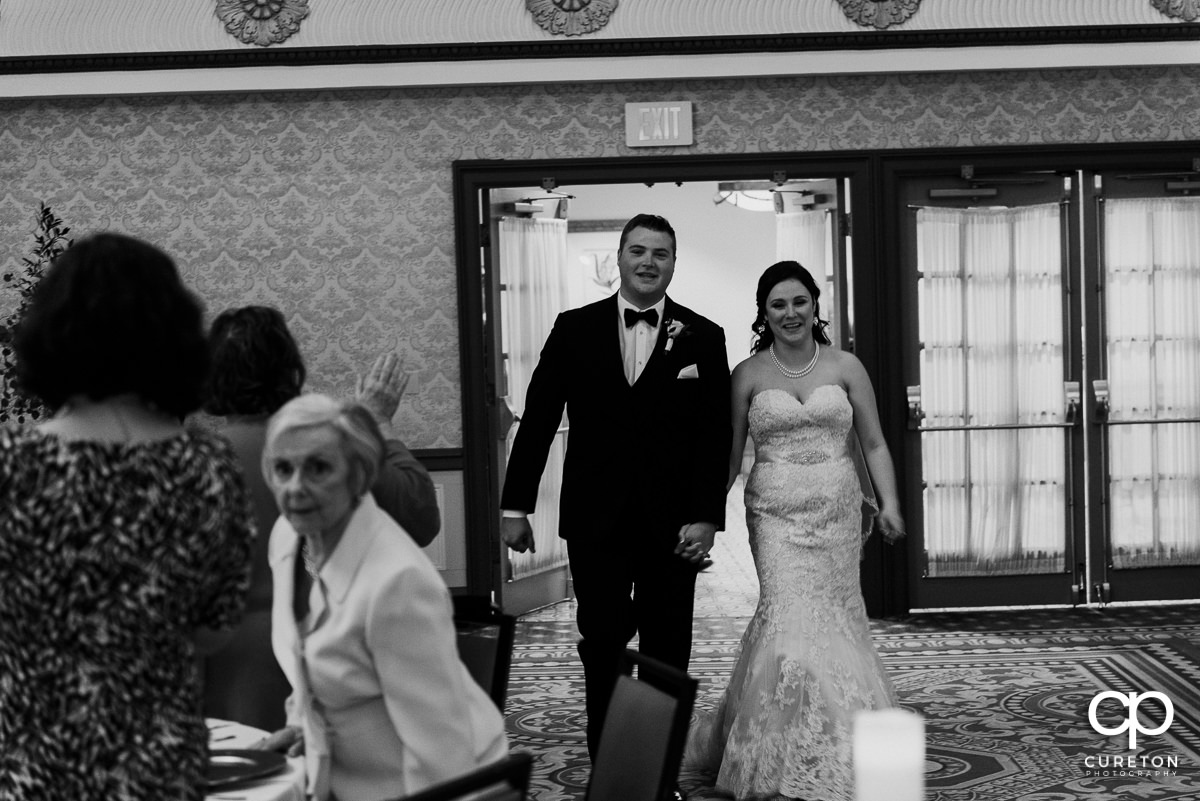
(689, 372)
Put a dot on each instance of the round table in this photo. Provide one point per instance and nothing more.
(287, 785)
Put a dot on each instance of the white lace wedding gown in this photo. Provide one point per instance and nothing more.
(783, 727)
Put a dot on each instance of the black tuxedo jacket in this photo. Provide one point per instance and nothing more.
(656, 452)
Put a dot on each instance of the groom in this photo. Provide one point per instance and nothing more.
(645, 383)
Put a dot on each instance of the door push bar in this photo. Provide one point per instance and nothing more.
(1071, 389)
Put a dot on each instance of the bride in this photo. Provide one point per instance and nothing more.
(807, 665)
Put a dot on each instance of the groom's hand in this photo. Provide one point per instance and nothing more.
(517, 534)
(695, 541)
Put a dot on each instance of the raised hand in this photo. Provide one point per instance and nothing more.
(381, 388)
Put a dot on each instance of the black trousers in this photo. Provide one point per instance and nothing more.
(630, 583)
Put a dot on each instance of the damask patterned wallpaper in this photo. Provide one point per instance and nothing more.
(337, 208)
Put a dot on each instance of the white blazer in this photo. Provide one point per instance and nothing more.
(386, 706)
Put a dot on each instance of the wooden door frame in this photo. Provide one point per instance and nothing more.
(895, 167)
(478, 378)
(1110, 584)
(1010, 589)
(875, 227)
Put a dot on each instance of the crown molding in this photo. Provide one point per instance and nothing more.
(601, 48)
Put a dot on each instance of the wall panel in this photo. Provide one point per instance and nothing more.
(336, 205)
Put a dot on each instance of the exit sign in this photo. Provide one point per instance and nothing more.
(658, 124)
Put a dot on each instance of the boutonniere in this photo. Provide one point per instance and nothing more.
(674, 329)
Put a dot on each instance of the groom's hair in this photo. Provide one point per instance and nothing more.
(649, 221)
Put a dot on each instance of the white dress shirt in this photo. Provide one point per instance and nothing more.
(637, 342)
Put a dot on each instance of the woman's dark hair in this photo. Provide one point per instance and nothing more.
(774, 275)
(110, 317)
(256, 364)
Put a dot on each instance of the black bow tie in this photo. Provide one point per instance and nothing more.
(649, 315)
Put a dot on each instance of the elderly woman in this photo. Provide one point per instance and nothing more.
(362, 622)
(124, 538)
(256, 368)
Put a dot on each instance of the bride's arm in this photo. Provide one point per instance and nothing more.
(740, 405)
(874, 447)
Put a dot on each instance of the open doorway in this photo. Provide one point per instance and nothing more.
(487, 421)
(554, 248)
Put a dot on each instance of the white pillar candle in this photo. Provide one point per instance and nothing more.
(889, 755)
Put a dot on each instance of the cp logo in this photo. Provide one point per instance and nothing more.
(1131, 700)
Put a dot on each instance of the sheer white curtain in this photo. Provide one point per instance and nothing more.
(991, 328)
(803, 236)
(533, 269)
(1152, 296)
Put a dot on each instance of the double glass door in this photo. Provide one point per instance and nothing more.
(1053, 384)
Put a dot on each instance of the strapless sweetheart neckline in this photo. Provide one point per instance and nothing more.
(793, 397)
(806, 663)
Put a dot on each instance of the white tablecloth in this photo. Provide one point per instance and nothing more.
(285, 786)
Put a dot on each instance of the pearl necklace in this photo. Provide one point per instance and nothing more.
(803, 371)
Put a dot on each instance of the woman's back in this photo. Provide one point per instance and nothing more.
(111, 556)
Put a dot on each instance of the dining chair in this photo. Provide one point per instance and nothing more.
(505, 780)
(641, 744)
(485, 642)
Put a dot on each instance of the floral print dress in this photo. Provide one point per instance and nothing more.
(111, 555)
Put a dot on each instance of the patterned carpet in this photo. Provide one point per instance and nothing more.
(1004, 695)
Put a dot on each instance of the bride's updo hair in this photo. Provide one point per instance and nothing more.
(776, 274)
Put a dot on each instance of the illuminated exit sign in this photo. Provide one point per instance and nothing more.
(658, 124)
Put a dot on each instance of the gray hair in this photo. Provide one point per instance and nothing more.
(361, 439)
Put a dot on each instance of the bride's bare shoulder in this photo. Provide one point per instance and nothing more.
(841, 358)
(752, 365)
(749, 374)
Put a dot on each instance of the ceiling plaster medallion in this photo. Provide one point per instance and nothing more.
(1186, 10)
(879, 13)
(262, 22)
(571, 17)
